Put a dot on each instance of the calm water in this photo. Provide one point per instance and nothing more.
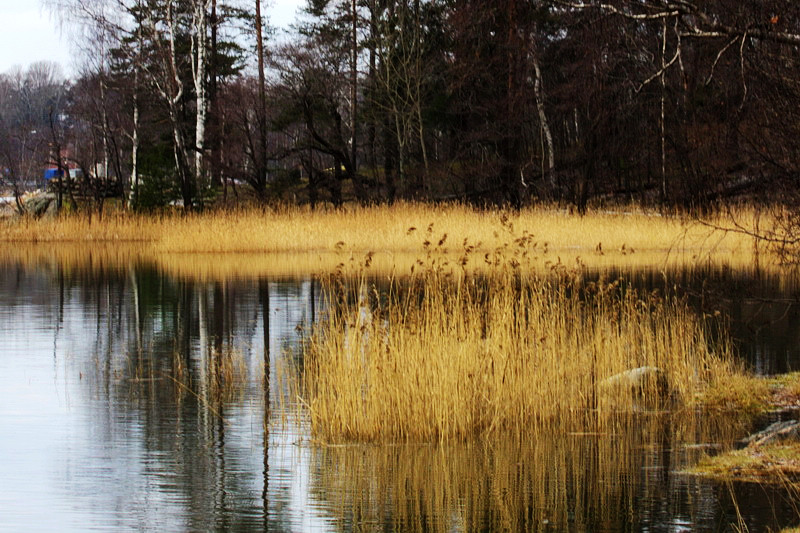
(95, 435)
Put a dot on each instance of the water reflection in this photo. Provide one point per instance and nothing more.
(117, 413)
(622, 481)
(761, 309)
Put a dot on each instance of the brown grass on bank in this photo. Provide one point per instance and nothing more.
(79, 228)
(400, 229)
(750, 394)
(454, 357)
(394, 228)
(291, 241)
(740, 393)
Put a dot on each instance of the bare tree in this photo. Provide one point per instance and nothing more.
(163, 28)
(400, 78)
(31, 124)
(199, 33)
(354, 85)
(261, 155)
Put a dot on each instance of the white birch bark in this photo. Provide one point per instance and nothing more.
(171, 89)
(543, 122)
(135, 140)
(199, 73)
(354, 87)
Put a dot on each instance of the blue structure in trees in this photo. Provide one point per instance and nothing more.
(52, 173)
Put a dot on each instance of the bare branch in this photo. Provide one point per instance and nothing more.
(719, 56)
(661, 70)
(614, 10)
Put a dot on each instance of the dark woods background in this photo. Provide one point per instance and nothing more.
(666, 102)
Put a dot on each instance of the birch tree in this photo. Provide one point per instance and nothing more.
(162, 27)
(199, 34)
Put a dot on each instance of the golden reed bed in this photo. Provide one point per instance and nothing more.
(294, 241)
(439, 357)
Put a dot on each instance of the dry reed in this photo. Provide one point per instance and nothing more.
(397, 229)
(449, 356)
(296, 241)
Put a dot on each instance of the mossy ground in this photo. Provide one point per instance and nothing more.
(745, 394)
(785, 391)
(753, 395)
(773, 463)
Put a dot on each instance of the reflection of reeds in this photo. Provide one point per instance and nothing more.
(227, 374)
(772, 467)
(224, 379)
(557, 481)
(459, 356)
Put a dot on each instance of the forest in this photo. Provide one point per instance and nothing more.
(679, 103)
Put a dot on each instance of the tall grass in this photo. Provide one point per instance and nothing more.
(252, 243)
(394, 228)
(448, 356)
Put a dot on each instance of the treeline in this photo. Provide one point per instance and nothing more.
(503, 102)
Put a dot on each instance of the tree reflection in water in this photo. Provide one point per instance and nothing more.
(192, 458)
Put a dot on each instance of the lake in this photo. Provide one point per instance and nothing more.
(110, 420)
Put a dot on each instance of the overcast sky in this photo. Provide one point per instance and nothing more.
(29, 33)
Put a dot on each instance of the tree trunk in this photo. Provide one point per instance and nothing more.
(389, 157)
(199, 73)
(133, 198)
(64, 180)
(173, 93)
(214, 120)
(371, 126)
(100, 191)
(662, 121)
(260, 158)
(354, 88)
(543, 123)
(185, 177)
(418, 76)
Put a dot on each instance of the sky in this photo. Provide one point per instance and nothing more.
(30, 33)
